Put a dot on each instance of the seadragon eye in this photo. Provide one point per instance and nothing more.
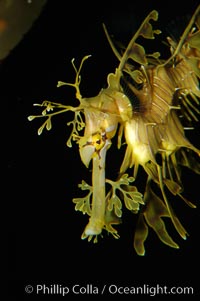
(148, 104)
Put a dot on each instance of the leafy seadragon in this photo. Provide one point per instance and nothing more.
(149, 103)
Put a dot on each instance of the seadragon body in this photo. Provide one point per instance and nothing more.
(149, 103)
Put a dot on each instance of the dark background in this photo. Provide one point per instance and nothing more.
(43, 228)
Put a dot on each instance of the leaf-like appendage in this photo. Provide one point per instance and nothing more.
(138, 55)
(84, 204)
(115, 204)
(132, 198)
